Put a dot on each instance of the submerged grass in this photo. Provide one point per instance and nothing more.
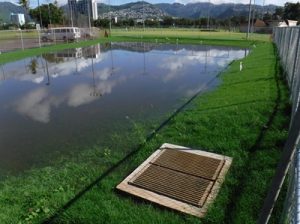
(246, 118)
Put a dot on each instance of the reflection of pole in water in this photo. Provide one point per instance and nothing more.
(144, 54)
(76, 63)
(94, 81)
(2, 69)
(206, 55)
(177, 47)
(43, 66)
(112, 59)
(94, 93)
(48, 76)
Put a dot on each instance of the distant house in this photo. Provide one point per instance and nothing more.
(282, 23)
(259, 26)
(17, 19)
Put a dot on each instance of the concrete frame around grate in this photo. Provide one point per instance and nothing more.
(167, 201)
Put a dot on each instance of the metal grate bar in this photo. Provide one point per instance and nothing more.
(190, 163)
(176, 185)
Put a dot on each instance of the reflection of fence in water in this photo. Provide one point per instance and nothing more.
(287, 40)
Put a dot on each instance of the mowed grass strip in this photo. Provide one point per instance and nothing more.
(188, 33)
(246, 118)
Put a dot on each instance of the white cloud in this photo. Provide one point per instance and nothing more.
(37, 105)
(214, 57)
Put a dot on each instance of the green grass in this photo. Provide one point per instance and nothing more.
(188, 33)
(246, 118)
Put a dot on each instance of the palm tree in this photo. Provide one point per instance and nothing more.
(25, 4)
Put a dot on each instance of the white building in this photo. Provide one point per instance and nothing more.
(18, 19)
(83, 7)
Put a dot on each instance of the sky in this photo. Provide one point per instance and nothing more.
(33, 3)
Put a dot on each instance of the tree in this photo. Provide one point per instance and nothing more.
(168, 21)
(25, 4)
(48, 12)
(278, 13)
(291, 11)
(101, 23)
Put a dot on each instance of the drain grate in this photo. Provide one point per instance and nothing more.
(189, 163)
(180, 178)
(180, 186)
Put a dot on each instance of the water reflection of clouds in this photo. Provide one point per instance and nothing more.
(55, 70)
(217, 59)
(37, 104)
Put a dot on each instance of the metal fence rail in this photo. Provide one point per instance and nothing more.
(11, 40)
(287, 41)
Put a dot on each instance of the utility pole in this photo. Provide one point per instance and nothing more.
(89, 2)
(249, 22)
(71, 3)
(144, 15)
(109, 18)
(40, 13)
(253, 17)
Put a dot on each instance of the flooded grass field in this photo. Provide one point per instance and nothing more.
(68, 100)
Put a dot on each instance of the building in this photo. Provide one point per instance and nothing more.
(17, 19)
(86, 8)
(282, 23)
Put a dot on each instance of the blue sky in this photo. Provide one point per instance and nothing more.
(118, 2)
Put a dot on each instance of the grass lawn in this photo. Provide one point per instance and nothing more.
(246, 118)
(188, 33)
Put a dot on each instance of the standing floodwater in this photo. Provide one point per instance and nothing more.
(64, 101)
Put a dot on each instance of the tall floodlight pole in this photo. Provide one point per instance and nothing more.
(49, 13)
(71, 12)
(253, 16)
(109, 18)
(263, 10)
(249, 23)
(40, 13)
(143, 15)
(89, 16)
(208, 14)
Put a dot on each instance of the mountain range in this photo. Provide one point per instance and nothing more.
(141, 9)
(191, 10)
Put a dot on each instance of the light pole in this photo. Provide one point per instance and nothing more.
(253, 16)
(40, 13)
(89, 2)
(49, 13)
(109, 18)
(143, 16)
(71, 3)
(249, 23)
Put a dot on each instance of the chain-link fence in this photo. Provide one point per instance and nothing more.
(287, 41)
(11, 40)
